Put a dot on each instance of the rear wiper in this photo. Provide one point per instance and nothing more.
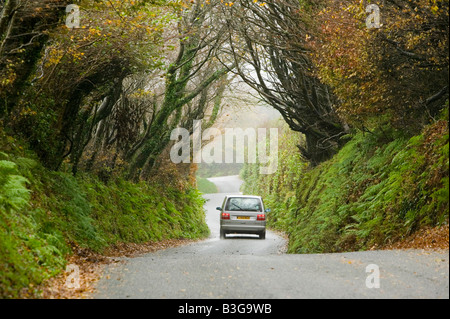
(236, 206)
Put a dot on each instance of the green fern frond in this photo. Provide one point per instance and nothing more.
(13, 192)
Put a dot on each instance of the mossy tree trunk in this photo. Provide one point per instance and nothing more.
(182, 86)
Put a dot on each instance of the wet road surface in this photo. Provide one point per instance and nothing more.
(246, 267)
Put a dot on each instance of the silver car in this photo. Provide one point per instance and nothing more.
(243, 214)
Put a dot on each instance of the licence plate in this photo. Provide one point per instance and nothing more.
(243, 217)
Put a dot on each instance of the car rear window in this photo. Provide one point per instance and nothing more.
(244, 204)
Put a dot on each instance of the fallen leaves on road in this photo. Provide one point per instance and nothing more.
(90, 266)
(133, 250)
(426, 238)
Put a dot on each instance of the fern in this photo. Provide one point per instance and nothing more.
(13, 192)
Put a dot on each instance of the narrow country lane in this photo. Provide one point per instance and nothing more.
(246, 267)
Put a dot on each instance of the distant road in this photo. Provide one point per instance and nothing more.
(246, 267)
(227, 184)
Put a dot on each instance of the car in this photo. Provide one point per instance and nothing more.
(243, 214)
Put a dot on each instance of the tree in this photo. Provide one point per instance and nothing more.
(270, 40)
(188, 77)
(24, 26)
(79, 77)
(396, 74)
(91, 86)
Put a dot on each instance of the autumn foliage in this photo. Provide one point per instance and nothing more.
(397, 73)
(105, 95)
(86, 115)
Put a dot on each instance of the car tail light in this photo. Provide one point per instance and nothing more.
(225, 216)
(261, 217)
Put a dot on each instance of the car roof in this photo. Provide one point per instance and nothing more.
(244, 196)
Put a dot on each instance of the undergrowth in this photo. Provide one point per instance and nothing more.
(206, 186)
(43, 213)
(380, 188)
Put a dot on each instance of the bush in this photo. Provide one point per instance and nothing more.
(378, 189)
(42, 213)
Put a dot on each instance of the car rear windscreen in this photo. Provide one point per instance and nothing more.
(244, 204)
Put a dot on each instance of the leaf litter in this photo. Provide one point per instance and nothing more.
(90, 267)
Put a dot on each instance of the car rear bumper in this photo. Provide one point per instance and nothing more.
(243, 229)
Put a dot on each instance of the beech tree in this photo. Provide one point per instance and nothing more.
(24, 26)
(187, 80)
(269, 40)
(78, 77)
(69, 90)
